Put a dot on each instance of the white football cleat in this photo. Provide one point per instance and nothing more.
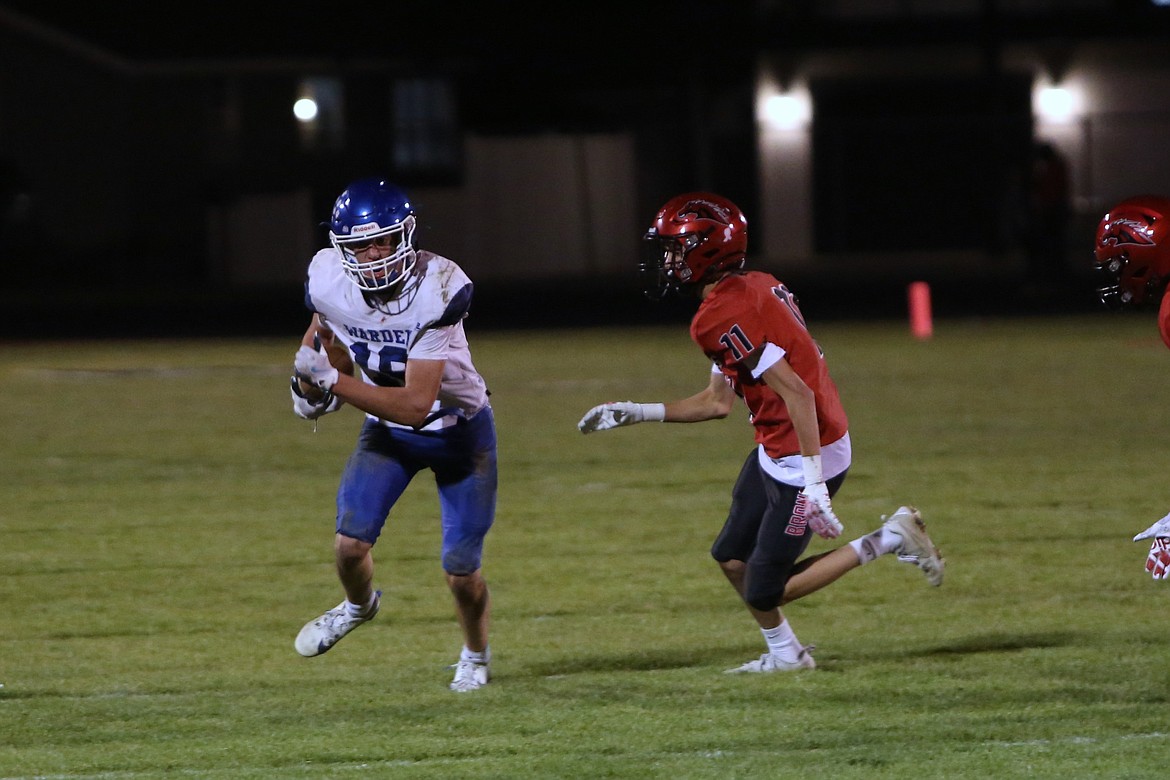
(916, 546)
(323, 633)
(470, 676)
(769, 663)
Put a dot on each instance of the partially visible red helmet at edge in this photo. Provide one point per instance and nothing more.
(1132, 251)
(695, 236)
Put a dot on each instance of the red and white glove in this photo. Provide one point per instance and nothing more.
(1158, 561)
(620, 413)
(820, 516)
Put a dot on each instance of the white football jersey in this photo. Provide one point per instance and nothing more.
(427, 325)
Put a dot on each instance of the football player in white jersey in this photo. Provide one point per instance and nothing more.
(398, 311)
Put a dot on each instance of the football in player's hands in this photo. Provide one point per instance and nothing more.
(338, 358)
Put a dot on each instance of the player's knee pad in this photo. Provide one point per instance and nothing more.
(763, 599)
(462, 559)
(763, 587)
(367, 529)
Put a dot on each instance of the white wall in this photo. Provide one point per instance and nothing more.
(537, 207)
(543, 207)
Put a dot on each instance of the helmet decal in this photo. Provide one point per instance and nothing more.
(1128, 231)
(369, 227)
(703, 209)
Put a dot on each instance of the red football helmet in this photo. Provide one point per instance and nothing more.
(695, 236)
(1133, 251)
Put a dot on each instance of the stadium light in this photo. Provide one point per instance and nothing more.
(305, 109)
(787, 110)
(318, 112)
(1058, 104)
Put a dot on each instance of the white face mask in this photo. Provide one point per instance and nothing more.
(378, 259)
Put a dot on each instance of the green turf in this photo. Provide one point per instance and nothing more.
(166, 524)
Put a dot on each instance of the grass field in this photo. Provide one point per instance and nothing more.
(166, 525)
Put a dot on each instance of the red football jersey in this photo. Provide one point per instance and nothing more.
(1164, 319)
(743, 313)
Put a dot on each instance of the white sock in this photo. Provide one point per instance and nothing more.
(875, 544)
(357, 610)
(470, 655)
(782, 641)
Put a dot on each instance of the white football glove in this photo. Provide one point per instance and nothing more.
(618, 414)
(1160, 528)
(819, 511)
(313, 366)
(310, 410)
(1158, 560)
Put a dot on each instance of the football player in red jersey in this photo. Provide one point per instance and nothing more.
(748, 324)
(1133, 255)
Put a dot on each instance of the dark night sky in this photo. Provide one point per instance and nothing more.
(553, 33)
(168, 31)
(563, 36)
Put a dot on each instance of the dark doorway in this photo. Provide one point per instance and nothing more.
(912, 165)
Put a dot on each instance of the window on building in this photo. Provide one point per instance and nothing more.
(427, 143)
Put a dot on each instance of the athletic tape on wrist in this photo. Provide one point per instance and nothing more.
(812, 469)
(653, 412)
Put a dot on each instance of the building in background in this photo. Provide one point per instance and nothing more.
(866, 139)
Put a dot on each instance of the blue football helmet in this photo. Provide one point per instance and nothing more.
(372, 228)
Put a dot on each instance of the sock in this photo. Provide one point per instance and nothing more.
(782, 641)
(875, 544)
(358, 610)
(474, 657)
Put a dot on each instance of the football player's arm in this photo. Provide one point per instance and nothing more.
(406, 405)
(802, 410)
(318, 329)
(712, 402)
(801, 403)
(310, 402)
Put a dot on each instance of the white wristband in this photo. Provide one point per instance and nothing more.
(812, 469)
(653, 412)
